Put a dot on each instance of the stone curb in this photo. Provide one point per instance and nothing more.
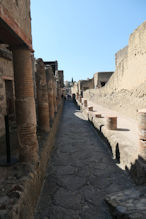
(130, 203)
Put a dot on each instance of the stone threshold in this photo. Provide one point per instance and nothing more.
(20, 184)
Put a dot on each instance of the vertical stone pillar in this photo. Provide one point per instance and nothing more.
(25, 105)
(111, 123)
(58, 93)
(90, 108)
(42, 97)
(49, 76)
(77, 96)
(55, 95)
(85, 103)
(98, 115)
(142, 149)
(142, 133)
(60, 85)
(142, 124)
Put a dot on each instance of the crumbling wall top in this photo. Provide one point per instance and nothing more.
(121, 55)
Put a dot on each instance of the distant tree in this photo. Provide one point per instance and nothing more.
(72, 80)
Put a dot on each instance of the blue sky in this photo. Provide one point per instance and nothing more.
(83, 35)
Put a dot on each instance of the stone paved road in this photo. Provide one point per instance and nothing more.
(80, 173)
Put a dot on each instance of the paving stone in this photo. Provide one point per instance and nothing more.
(68, 200)
(73, 183)
(65, 170)
(80, 173)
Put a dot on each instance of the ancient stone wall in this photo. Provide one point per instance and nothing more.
(125, 91)
(101, 78)
(74, 88)
(120, 55)
(15, 26)
(60, 78)
(42, 97)
(53, 64)
(50, 80)
(115, 80)
(19, 11)
(136, 72)
(6, 74)
(130, 62)
(85, 85)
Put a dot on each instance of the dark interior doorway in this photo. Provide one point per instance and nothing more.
(102, 83)
(9, 97)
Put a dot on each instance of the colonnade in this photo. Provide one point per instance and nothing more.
(47, 101)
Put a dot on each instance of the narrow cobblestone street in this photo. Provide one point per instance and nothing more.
(80, 173)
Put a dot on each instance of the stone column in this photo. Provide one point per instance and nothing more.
(25, 105)
(59, 93)
(85, 103)
(55, 95)
(111, 123)
(42, 97)
(142, 124)
(51, 100)
(142, 133)
(57, 89)
(90, 108)
(49, 75)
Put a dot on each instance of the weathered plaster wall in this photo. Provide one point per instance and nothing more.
(136, 71)
(120, 55)
(60, 78)
(74, 88)
(100, 77)
(125, 91)
(19, 10)
(115, 81)
(85, 84)
(130, 62)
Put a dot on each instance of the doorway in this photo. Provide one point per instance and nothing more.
(9, 98)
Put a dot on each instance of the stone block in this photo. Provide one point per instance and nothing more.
(111, 123)
(90, 108)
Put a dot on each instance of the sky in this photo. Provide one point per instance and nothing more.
(83, 35)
